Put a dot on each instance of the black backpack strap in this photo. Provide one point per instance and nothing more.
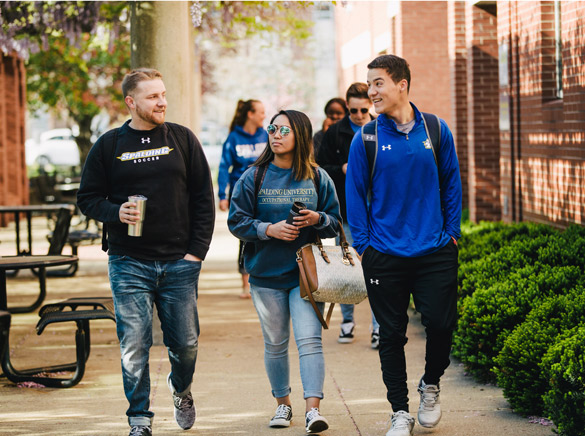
(433, 127)
(110, 142)
(182, 150)
(370, 140)
(259, 174)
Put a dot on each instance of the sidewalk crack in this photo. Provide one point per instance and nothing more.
(357, 429)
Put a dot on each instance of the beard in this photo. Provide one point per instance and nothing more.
(150, 117)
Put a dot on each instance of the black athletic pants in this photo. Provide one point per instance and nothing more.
(432, 280)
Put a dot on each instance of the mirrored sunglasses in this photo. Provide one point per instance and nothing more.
(284, 130)
(363, 110)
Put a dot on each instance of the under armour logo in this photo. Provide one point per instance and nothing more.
(386, 147)
(145, 140)
(369, 137)
(375, 282)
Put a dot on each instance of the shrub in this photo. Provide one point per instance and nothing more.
(518, 364)
(564, 367)
(477, 241)
(489, 315)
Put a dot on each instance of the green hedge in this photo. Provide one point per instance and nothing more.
(518, 365)
(521, 316)
(489, 315)
(564, 368)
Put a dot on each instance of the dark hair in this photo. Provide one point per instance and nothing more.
(303, 160)
(134, 77)
(357, 90)
(241, 115)
(396, 67)
(337, 100)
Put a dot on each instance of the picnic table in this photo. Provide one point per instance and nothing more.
(28, 262)
(29, 210)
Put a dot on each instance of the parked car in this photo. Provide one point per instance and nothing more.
(55, 147)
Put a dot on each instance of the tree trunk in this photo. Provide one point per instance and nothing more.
(84, 139)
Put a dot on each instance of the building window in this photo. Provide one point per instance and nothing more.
(558, 51)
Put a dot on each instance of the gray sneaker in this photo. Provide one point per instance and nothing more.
(140, 430)
(402, 424)
(184, 408)
(429, 410)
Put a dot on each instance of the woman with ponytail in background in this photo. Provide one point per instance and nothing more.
(246, 141)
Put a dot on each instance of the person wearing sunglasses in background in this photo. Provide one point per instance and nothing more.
(332, 156)
(335, 110)
(287, 173)
(246, 141)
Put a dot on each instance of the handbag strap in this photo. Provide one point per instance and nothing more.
(347, 257)
(324, 323)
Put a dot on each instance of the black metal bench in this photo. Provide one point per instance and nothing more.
(78, 310)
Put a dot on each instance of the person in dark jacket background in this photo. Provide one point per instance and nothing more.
(332, 156)
(246, 141)
(164, 162)
(335, 110)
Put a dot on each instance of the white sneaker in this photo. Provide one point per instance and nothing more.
(402, 424)
(314, 422)
(429, 410)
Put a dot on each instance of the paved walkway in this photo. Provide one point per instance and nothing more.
(230, 388)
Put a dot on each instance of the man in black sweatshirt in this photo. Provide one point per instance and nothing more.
(165, 163)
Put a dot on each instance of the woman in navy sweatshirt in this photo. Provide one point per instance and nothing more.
(246, 141)
(287, 173)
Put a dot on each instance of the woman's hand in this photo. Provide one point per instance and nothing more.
(307, 218)
(282, 230)
(128, 213)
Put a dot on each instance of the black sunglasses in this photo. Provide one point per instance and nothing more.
(363, 110)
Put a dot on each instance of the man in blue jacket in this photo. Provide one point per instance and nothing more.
(405, 222)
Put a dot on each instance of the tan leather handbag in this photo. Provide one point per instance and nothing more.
(330, 274)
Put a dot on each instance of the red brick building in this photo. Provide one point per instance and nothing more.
(543, 148)
(509, 79)
(13, 179)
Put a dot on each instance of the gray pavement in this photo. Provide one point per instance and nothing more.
(231, 390)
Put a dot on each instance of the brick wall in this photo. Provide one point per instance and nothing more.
(543, 155)
(13, 179)
(482, 112)
(458, 87)
(425, 46)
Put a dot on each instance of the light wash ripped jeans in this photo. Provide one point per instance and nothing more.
(276, 307)
(136, 286)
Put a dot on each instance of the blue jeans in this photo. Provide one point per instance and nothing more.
(276, 307)
(347, 309)
(136, 286)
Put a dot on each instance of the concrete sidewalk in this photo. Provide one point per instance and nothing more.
(231, 389)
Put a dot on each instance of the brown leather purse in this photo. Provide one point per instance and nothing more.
(329, 274)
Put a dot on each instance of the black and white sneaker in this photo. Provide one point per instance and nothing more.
(375, 340)
(346, 334)
(314, 422)
(140, 430)
(282, 417)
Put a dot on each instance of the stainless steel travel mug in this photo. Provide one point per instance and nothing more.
(140, 200)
